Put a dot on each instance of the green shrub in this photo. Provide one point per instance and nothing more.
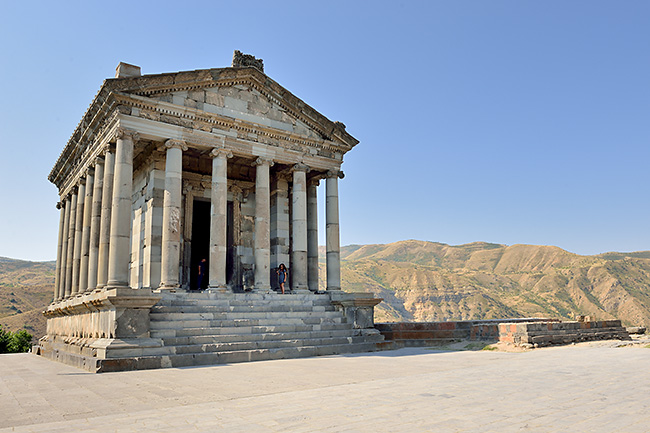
(15, 342)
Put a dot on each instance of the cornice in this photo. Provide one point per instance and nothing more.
(101, 115)
(264, 134)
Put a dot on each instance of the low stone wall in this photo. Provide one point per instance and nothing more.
(412, 334)
(529, 334)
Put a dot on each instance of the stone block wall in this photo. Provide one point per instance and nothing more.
(432, 333)
(548, 333)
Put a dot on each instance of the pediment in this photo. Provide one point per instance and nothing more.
(243, 102)
(240, 93)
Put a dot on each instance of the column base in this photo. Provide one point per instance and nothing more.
(218, 289)
(170, 289)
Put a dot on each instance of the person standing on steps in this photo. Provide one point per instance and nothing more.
(199, 281)
(282, 276)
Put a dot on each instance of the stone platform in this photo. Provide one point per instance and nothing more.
(590, 387)
(188, 329)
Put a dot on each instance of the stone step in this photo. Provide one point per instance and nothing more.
(243, 304)
(269, 336)
(222, 323)
(272, 344)
(250, 315)
(235, 309)
(239, 330)
(213, 358)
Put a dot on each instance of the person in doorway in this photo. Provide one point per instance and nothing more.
(282, 276)
(199, 281)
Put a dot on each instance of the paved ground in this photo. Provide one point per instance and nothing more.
(584, 388)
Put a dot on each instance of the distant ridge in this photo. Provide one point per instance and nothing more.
(430, 281)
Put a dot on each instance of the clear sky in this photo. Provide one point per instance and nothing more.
(499, 121)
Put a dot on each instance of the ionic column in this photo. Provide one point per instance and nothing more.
(85, 232)
(67, 204)
(332, 240)
(71, 218)
(171, 233)
(299, 277)
(219, 218)
(312, 235)
(262, 225)
(95, 223)
(59, 247)
(105, 218)
(78, 228)
(118, 253)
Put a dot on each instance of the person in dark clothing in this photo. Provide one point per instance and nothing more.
(282, 276)
(199, 281)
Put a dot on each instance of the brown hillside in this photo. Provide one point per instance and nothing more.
(25, 290)
(432, 281)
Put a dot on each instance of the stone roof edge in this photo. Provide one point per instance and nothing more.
(170, 81)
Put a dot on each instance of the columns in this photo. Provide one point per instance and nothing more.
(71, 218)
(105, 218)
(312, 235)
(299, 228)
(118, 256)
(59, 246)
(95, 221)
(262, 225)
(219, 218)
(85, 232)
(171, 233)
(332, 241)
(78, 227)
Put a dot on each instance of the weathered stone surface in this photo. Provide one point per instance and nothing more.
(171, 143)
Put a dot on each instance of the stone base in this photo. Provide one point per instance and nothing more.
(550, 333)
(108, 324)
(423, 334)
(358, 307)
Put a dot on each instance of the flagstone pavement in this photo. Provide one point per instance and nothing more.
(595, 387)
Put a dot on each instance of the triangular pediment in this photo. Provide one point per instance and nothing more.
(241, 93)
(243, 102)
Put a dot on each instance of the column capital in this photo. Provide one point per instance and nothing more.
(314, 181)
(60, 205)
(106, 149)
(220, 153)
(124, 133)
(173, 143)
(335, 173)
(99, 159)
(82, 179)
(263, 161)
(90, 171)
(300, 167)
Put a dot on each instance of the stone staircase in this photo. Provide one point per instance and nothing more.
(217, 328)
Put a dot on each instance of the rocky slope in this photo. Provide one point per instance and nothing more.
(25, 290)
(428, 281)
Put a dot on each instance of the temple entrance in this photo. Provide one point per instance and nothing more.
(231, 275)
(200, 243)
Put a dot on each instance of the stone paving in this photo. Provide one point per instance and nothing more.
(593, 387)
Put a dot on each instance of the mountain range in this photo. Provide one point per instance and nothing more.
(430, 281)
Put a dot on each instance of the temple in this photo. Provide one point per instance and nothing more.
(167, 171)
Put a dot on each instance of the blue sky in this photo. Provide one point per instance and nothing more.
(500, 121)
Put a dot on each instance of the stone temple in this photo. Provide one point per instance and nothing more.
(167, 170)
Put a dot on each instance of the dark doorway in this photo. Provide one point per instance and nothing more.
(200, 243)
(231, 276)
